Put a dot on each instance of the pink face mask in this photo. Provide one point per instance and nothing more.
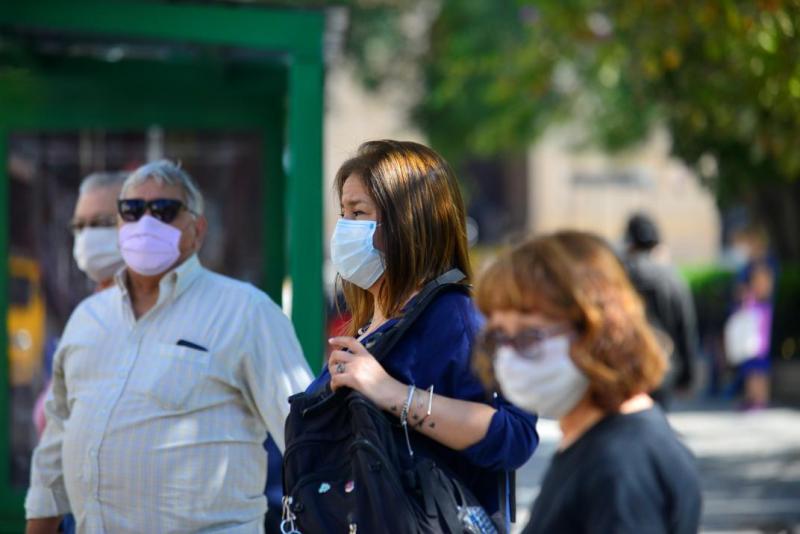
(149, 246)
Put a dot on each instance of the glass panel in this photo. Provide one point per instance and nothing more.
(45, 284)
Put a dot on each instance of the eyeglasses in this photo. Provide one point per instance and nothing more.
(103, 221)
(492, 339)
(163, 209)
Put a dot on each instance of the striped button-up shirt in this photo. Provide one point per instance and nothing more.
(157, 424)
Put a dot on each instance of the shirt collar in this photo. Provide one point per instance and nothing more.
(175, 281)
(181, 276)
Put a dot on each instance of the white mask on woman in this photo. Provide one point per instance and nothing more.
(544, 380)
(97, 253)
(353, 254)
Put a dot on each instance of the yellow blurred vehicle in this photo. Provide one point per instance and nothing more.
(26, 320)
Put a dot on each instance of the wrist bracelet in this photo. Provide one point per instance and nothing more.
(430, 400)
(430, 407)
(404, 417)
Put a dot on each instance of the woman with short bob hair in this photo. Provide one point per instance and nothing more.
(567, 338)
(403, 225)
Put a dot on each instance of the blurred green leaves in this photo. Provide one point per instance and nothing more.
(722, 75)
(496, 72)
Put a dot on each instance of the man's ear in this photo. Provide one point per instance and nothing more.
(201, 228)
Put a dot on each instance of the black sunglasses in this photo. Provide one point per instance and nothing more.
(163, 209)
(494, 338)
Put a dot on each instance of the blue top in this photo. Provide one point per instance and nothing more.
(437, 350)
(274, 486)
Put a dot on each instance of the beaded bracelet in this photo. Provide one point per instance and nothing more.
(404, 417)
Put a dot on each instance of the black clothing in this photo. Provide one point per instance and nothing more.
(628, 474)
(670, 308)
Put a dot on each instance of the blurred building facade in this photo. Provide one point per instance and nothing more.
(591, 190)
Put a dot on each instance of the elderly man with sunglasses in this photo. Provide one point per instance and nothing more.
(165, 385)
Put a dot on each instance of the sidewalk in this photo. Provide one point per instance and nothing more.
(749, 464)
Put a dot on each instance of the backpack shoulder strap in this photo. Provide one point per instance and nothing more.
(382, 344)
(386, 342)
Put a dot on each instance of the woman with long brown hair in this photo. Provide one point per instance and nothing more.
(567, 339)
(403, 225)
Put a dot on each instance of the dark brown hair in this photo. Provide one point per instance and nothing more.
(575, 277)
(423, 223)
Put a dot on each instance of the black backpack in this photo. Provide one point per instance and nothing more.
(346, 468)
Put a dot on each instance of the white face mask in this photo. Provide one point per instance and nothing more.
(97, 253)
(353, 254)
(544, 381)
(149, 246)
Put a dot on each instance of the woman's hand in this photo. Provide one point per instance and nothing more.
(454, 423)
(359, 370)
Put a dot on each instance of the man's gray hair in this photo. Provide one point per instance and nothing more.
(165, 172)
(99, 180)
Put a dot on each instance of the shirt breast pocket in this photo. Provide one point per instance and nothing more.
(180, 373)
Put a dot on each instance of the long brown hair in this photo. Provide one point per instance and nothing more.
(575, 277)
(423, 223)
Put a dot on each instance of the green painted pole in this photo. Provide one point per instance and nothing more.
(274, 215)
(10, 500)
(304, 201)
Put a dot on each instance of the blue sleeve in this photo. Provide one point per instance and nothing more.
(442, 356)
(509, 442)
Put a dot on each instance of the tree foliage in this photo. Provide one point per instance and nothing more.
(722, 75)
(723, 71)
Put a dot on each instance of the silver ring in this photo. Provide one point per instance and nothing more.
(340, 368)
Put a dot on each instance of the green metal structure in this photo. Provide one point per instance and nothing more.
(280, 97)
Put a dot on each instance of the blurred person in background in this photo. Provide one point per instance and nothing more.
(567, 339)
(94, 225)
(668, 303)
(96, 252)
(165, 384)
(754, 284)
(95, 248)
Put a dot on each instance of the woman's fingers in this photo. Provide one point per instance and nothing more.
(352, 365)
(337, 362)
(349, 343)
(341, 380)
(342, 368)
(340, 356)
